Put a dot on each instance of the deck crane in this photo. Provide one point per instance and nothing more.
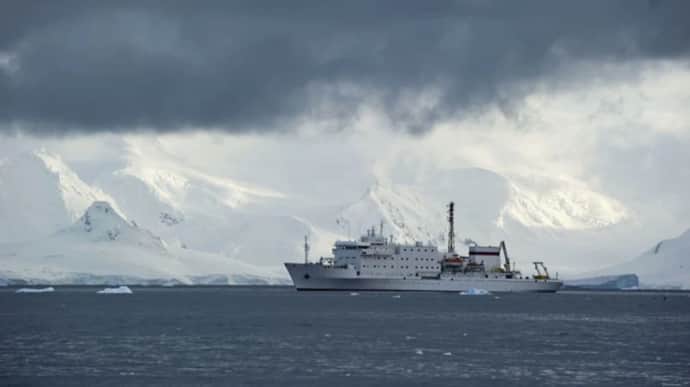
(539, 273)
(505, 253)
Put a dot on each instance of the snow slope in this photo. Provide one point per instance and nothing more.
(194, 215)
(40, 194)
(102, 247)
(536, 202)
(564, 223)
(404, 213)
(665, 265)
(562, 205)
(210, 214)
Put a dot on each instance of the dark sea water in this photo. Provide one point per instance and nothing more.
(277, 336)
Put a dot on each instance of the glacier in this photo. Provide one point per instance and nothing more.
(619, 281)
(664, 265)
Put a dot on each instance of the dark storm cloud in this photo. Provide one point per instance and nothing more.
(256, 65)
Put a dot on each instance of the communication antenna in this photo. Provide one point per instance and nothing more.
(346, 223)
(451, 231)
(306, 249)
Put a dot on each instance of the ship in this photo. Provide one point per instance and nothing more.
(375, 262)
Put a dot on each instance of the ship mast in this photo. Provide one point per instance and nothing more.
(306, 250)
(451, 231)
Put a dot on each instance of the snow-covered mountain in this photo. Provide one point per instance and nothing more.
(562, 205)
(101, 246)
(561, 222)
(195, 214)
(404, 213)
(210, 214)
(536, 202)
(39, 194)
(666, 264)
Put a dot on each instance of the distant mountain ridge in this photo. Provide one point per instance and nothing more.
(191, 212)
(101, 246)
(666, 264)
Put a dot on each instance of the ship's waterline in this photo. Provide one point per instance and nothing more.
(312, 276)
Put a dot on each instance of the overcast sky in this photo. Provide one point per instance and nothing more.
(237, 66)
(592, 91)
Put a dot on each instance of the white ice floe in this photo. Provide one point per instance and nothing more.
(447, 353)
(419, 352)
(475, 292)
(118, 290)
(32, 290)
(354, 294)
(396, 296)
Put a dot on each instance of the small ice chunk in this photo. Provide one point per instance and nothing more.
(464, 334)
(447, 354)
(410, 337)
(475, 292)
(419, 352)
(396, 296)
(36, 290)
(354, 294)
(118, 290)
(327, 335)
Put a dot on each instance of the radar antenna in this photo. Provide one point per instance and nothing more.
(451, 231)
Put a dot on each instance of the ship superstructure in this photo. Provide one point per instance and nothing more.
(377, 262)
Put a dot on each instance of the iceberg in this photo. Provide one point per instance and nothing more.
(33, 290)
(617, 282)
(118, 290)
(475, 292)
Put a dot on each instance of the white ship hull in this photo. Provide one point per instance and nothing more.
(319, 277)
